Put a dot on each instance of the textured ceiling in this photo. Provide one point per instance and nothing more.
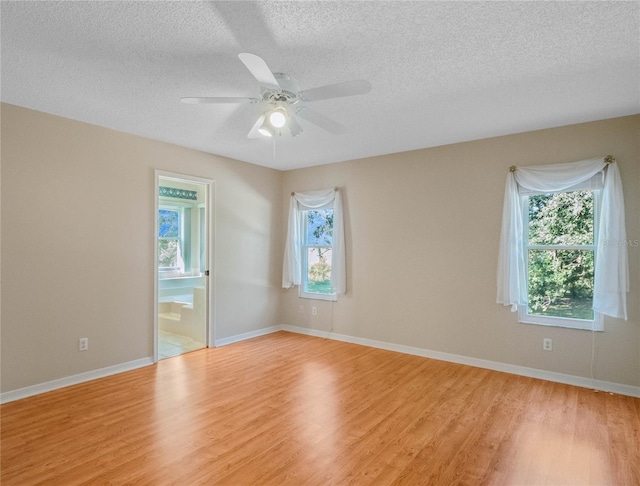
(441, 72)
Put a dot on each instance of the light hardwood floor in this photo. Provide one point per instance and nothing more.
(292, 409)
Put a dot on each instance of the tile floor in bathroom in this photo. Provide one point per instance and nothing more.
(170, 345)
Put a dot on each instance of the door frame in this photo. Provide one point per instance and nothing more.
(209, 251)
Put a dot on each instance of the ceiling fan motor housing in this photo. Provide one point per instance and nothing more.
(287, 93)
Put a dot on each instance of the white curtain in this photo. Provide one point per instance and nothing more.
(304, 201)
(611, 270)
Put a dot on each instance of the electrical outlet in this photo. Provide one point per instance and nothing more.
(83, 344)
(547, 344)
(314, 311)
(300, 309)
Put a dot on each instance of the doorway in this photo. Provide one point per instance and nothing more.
(183, 294)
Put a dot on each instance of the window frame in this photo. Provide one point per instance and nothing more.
(596, 324)
(304, 260)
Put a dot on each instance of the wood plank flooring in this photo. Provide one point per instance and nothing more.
(287, 409)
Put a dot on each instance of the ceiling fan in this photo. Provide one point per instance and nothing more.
(284, 103)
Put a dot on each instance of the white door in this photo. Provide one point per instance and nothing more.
(183, 278)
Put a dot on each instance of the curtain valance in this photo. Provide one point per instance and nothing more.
(304, 201)
(611, 270)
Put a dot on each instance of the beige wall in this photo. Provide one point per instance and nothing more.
(422, 241)
(422, 234)
(77, 244)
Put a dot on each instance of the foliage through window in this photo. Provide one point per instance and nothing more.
(169, 239)
(317, 252)
(560, 254)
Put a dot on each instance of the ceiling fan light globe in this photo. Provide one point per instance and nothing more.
(277, 119)
(265, 130)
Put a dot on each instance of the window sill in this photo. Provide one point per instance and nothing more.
(314, 296)
(580, 324)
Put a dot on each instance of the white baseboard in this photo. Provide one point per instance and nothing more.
(28, 391)
(246, 335)
(607, 386)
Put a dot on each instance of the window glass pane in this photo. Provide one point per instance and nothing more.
(563, 218)
(319, 270)
(168, 223)
(561, 283)
(167, 253)
(320, 227)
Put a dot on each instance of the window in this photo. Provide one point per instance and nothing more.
(317, 248)
(169, 240)
(314, 251)
(560, 262)
(560, 258)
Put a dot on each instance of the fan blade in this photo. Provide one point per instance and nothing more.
(348, 88)
(321, 121)
(218, 99)
(253, 133)
(260, 70)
